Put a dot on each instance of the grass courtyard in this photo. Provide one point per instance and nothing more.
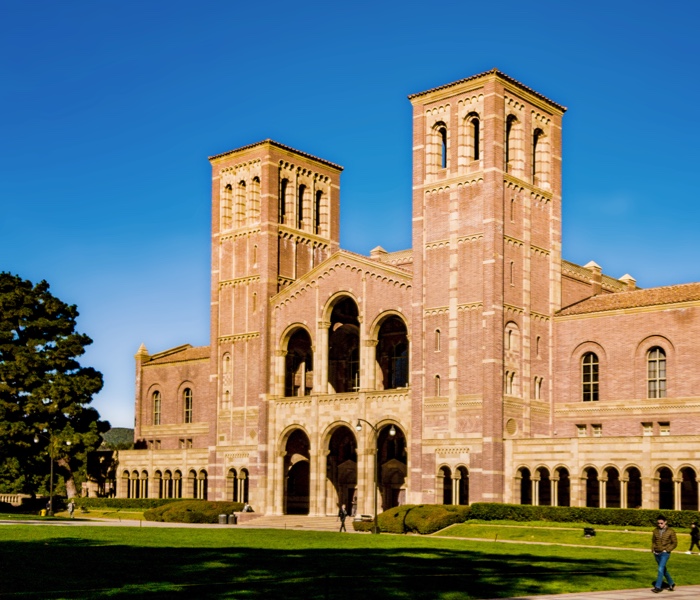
(58, 561)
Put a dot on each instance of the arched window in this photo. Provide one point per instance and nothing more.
(474, 125)
(156, 408)
(240, 204)
(187, 402)
(510, 123)
(538, 388)
(300, 207)
(226, 207)
(437, 340)
(513, 147)
(589, 377)
(656, 373)
(437, 385)
(282, 208)
(317, 212)
(442, 132)
(254, 204)
(538, 133)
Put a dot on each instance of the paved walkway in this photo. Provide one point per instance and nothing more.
(690, 592)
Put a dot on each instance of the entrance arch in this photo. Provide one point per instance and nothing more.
(344, 347)
(689, 489)
(341, 470)
(445, 482)
(666, 495)
(634, 488)
(296, 468)
(393, 466)
(463, 482)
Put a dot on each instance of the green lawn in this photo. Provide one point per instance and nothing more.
(53, 561)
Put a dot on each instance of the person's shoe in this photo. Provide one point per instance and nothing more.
(656, 590)
(671, 587)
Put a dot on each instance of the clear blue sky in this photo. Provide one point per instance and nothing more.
(109, 110)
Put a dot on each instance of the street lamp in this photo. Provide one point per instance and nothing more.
(52, 449)
(392, 432)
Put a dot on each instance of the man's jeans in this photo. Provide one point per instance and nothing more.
(661, 560)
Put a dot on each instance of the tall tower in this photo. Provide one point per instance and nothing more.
(275, 216)
(487, 262)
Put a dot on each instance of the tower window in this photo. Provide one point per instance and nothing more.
(282, 208)
(437, 385)
(437, 340)
(240, 204)
(187, 402)
(442, 132)
(656, 373)
(317, 212)
(156, 408)
(589, 376)
(300, 208)
(475, 136)
(226, 207)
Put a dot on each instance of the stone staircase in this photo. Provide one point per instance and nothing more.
(296, 522)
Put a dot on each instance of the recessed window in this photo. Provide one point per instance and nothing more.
(187, 402)
(597, 430)
(156, 408)
(647, 429)
(656, 373)
(589, 376)
(538, 388)
(300, 207)
(664, 428)
(582, 430)
(437, 385)
(442, 132)
(317, 212)
(437, 340)
(475, 136)
(282, 208)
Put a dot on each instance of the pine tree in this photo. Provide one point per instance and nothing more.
(44, 391)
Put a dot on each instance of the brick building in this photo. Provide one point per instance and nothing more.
(476, 366)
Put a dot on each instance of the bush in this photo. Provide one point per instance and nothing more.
(635, 517)
(192, 511)
(133, 503)
(422, 518)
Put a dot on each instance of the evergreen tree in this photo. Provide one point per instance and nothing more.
(44, 391)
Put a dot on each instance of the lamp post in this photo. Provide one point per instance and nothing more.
(392, 432)
(52, 449)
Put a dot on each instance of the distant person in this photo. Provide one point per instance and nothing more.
(663, 542)
(71, 508)
(342, 515)
(247, 508)
(353, 510)
(694, 537)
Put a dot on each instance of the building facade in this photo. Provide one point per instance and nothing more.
(476, 366)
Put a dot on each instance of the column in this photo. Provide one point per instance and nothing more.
(368, 379)
(279, 481)
(321, 358)
(535, 490)
(602, 491)
(554, 486)
(623, 491)
(677, 483)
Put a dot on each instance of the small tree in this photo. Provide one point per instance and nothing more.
(44, 392)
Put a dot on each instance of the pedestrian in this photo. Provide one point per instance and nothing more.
(694, 537)
(663, 542)
(71, 508)
(353, 511)
(342, 515)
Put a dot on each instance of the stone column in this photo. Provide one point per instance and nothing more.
(535, 490)
(677, 483)
(321, 358)
(280, 372)
(369, 358)
(554, 487)
(602, 491)
(623, 491)
(279, 481)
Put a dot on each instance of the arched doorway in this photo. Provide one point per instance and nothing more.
(689, 489)
(243, 485)
(393, 466)
(445, 482)
(341, 471)
(592, 488)
(563, 487)
(296, 467)
(525, 480)
(232, 485)
(463, 479)
(344, 347)
(634, 488)
(392, 354)
(612, 488)
(299, 365)
(544, 491)
(666, 495)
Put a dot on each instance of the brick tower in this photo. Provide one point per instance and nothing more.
(275, 215)
(487, 263)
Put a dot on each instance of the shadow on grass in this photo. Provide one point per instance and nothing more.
(76, 568)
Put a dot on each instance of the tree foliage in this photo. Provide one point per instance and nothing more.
(44, 391)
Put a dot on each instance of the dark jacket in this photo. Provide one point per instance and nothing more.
(695, 534)
(663, 540)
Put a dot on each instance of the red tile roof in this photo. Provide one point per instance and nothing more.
(283, 147)
(179, 354)
(672, 294)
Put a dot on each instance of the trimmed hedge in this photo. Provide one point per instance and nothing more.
(135, 503)
(421, 518)
(639, 517)
(192, 511)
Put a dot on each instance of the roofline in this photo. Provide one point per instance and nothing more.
(270, 142)
(496, 73)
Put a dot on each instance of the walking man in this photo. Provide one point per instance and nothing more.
(342, 515)
(71, 508)
(663, 542)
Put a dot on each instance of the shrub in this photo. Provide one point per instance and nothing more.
(411, 518)
(134, 503)
(192, 511)
(638, 517)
